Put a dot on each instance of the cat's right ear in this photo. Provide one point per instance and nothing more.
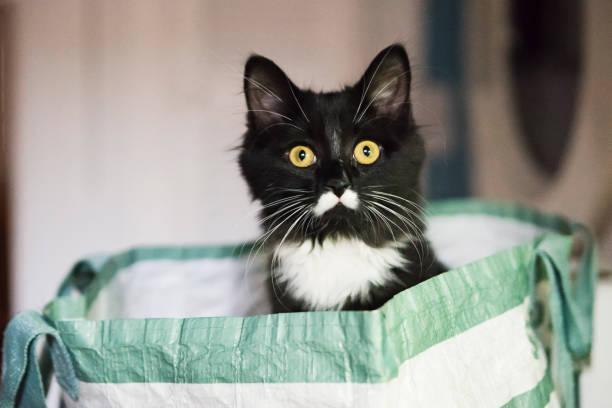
(268, 92)
(385, 86)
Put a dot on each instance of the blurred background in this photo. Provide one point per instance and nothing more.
(118, 118)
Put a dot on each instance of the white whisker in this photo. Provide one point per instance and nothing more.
(281, 124)
(270, 232)
(398, 205)
(413, 203)
(409, 224)
(365, 91)
(263, 88)
(282, 210)
(296, 100)
(269, 111)
(378, 93)
(275, 256)
(281, 200)
(384, 219)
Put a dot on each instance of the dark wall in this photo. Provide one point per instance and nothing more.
(4, 169)
(546, 63)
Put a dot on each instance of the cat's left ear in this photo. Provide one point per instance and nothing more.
(385, 86)
(270, 95)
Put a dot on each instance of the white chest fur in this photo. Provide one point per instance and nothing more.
(327, 275)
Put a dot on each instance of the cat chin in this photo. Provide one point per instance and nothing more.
(340, 223)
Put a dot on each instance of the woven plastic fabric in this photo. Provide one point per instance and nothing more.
(509, 325)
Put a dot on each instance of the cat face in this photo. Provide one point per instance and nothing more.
(338, 164)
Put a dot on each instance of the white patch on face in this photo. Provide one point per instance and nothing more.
(329, 200)
(349, 199)
(328, 275)
(326, 202)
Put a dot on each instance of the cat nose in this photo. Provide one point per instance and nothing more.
(337, 186)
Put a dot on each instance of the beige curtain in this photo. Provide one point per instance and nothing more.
(501, 168)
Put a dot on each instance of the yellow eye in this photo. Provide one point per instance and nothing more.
(301, 156)
(366, 152)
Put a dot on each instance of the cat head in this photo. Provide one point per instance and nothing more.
(334, 164)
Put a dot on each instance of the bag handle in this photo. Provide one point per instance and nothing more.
(22, 382)
(571, 306)
(82, 274)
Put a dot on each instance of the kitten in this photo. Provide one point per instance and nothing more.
(338, 176)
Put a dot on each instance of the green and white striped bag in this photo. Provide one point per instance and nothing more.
(509, 325)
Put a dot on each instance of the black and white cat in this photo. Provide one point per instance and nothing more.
(338, 176)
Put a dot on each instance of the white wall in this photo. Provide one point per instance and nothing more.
(125, 112)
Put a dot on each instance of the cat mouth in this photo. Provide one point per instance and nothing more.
(336, 211)
(339, 221)
(329, 201)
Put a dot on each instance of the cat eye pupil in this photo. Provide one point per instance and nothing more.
(302, 154)
(366, 151)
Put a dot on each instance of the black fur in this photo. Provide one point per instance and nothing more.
(376, 108)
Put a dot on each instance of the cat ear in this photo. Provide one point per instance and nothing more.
(385, 86)
(268, 92)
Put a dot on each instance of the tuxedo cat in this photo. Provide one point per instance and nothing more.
(337, 174)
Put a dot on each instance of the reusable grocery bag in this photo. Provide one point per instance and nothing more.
(509, 325)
